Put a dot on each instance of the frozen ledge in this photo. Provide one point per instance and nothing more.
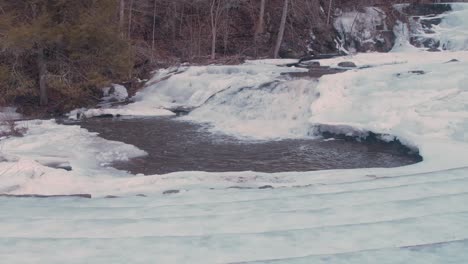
(347, 132)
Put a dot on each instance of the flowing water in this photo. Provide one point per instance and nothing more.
(174, 145)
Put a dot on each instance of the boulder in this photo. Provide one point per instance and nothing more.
(171, 192)
(347, 64)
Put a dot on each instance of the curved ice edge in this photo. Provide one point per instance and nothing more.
(326, 257)
(348, 132)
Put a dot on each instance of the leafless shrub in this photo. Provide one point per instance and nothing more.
(9, 128)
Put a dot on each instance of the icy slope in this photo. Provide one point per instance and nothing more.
(190, 87)
(448, 31)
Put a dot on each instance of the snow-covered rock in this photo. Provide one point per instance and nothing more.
(364, 30)
(115, 92)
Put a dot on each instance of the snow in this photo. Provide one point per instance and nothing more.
(191, 87)
(451, 33)
(360, 26)
(411, 214)
(271, 111)
(116, 92)
(8, 113)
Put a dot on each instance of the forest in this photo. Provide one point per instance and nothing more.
(58, 54)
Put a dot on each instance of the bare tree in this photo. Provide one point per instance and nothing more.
(260, 28)
(43, 98)
(329, 11)
(130, 13)
(121, 16)
(154, 31)
(279, 40)
(215, 14)
(261, 20)
(41, 66)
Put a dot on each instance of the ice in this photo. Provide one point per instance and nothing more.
(360, 26)
(261, 112)
(191, 87)
(115, 92)
(451, 33)
(411, 214)
(8, 113)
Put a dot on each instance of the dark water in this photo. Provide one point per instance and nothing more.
(181, 146)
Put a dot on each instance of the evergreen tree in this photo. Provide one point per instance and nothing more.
(59, 49)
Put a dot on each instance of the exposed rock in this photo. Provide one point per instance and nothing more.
(319, 57)
(347, 64)
(105, 116)
(429, 23)
(171, 192)
(306, 64)
(365, 29)
(418, 72)
(316, 72)
(55, 165)
(141, 195)
(181, 110)
(111, 197)
(426, 9)
(452, 60)
(434, 50)
(240, 187)
(265, 187)
(115, 93)
(87, 196)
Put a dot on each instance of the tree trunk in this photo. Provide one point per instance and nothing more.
(214, 9)
(261, 19)
(42, 67)
(329, 11)
(130, 13)
(154, 31)
(121, 16)
(260, 25)
(279, 40)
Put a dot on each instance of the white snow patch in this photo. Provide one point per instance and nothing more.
(116, 92)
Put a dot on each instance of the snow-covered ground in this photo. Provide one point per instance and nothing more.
(414, 214)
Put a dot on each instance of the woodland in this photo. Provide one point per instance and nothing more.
(56, 55)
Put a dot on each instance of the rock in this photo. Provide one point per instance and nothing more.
(418, 72)
(105, 116)
(418, 9)
(87, 196)
(240, 188)
(265, 187)
(111, 197)
(434, 50)
(63, 166)
(347, 64)
(116, 92)
(181, 110)
(67, 168)
(141, 195)
(452, 60)
(309, 64)
(315, 72)
(171, 192)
